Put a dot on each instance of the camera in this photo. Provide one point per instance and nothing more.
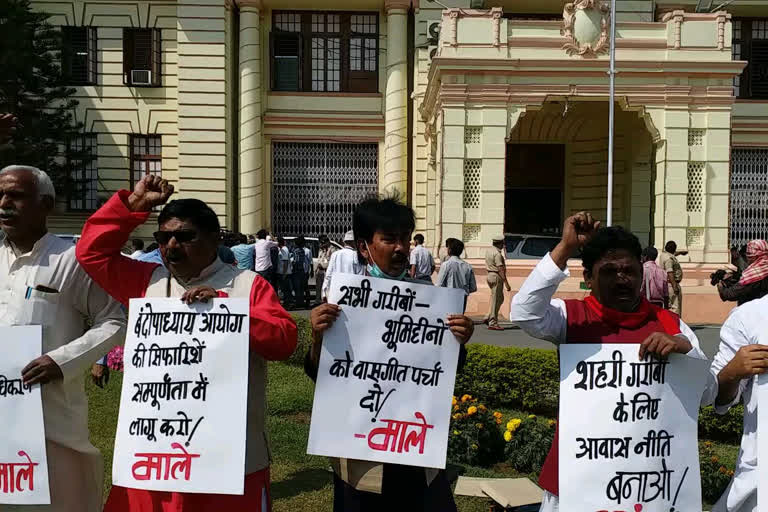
(724, 276)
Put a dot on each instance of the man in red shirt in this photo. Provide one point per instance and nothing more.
(188, 238)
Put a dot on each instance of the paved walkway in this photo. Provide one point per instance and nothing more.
(709, 336)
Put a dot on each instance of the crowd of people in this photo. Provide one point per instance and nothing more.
(47, 282)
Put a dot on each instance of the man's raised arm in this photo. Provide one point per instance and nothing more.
(107, 230)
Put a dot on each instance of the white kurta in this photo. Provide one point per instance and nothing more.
(535, 311)
(344, 261)
(745, 326)
(75, 466)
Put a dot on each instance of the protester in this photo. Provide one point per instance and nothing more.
(614, 312)
(284, 272)
(675, 275)
(743, 355)
(655, 287)
(753, 283)
(737, 260)
(301, 271)
(383, 230)
(244, 253)
(455, 272)
(323, 260)
(188, 237)
(422, 262)
(152, 254)
(137, 244)
(345, 261)
(497, 276)
(262, 261)
(45, 286)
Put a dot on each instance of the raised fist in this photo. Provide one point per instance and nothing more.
(151, 191)
(579, 229)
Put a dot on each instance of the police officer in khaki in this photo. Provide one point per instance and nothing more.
(497, 276)
(674, 271)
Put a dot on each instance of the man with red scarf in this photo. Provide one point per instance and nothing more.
(615, 312)
(188, 237)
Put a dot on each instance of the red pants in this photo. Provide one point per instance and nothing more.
(255, 499)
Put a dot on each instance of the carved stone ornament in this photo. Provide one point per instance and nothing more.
(586, 25)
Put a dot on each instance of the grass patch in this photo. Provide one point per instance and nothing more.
(300, 482)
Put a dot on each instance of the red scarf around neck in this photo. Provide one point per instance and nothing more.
(669, 321)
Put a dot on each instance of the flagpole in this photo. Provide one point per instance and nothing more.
(611, 114)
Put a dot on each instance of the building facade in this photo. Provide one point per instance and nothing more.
(284, 113)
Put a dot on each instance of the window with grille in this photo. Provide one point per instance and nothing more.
(695, 137)
(316, 186)
(82, 160)
(470, 232)
(325, 52)
(749, 195)
(146, 157)
(78, 56)
(142, 57)
(750, 43)
(472, 169)
(695, 186)
(473, 135)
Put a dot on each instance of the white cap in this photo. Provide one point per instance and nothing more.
(349, 236)
(269, 237)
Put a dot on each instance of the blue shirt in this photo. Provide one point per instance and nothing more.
(244, 254)
(152, 257)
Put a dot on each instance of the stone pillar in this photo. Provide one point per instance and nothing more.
(252, 213)
(395, 176)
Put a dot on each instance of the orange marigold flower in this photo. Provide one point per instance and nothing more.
(457, 416)
(465, 398)
(723, 470)
(714, 460)
(472, 410)
(497, 414)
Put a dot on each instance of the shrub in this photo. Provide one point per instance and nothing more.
(515, 377)
(715, 477)
(474, 437)
(305, 341)
(727, 427)
(529, 379)
(528, 443)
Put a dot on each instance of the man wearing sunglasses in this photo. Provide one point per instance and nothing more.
(188, 236)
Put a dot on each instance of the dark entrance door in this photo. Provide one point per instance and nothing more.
(533, 200)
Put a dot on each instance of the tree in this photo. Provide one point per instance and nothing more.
(33, 88)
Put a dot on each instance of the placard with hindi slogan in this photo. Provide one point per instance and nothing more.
(628, 430)
(386, 374)
(23, 459)
(182, 422)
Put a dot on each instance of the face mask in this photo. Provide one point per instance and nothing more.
(375, 271)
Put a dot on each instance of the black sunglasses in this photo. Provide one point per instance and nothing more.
(182, 237)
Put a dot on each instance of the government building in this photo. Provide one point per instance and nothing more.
(487, 117)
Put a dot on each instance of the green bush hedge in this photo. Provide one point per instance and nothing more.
(529, 379)
(519, 378)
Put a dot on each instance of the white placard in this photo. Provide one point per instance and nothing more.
(182, 422)
(762, 447)
(386, 373)
(628, 430)
(23, 459)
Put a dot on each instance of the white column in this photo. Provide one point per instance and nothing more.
(395, 175)
(252, 214)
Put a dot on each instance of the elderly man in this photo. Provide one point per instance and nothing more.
(188, 236)
(42, 284)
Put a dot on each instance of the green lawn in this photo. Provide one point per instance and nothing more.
(300, 482)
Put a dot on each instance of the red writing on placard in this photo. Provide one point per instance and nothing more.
(399, 436)
(171, 462)
(13, 475)
(638, 508)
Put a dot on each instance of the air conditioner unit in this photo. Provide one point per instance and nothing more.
(141, 77)
(433, 32)
(432, 52)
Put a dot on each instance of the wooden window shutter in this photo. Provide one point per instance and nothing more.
(758, 64)
(127, 54)
(286, 51)
(157, 57)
